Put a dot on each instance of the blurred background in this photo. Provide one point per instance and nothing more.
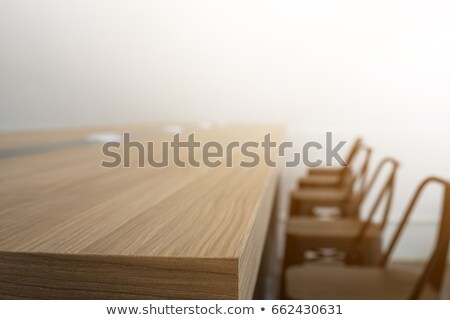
(379, 70)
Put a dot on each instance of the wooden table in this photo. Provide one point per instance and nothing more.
(71, 229)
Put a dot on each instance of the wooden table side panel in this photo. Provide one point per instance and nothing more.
(251, 255)
(46, 276)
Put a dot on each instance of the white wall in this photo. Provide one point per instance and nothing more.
(380, 69)
(315, 63)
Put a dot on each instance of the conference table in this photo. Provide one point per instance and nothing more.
(72, 228)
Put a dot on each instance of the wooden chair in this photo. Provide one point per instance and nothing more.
(336, 177)
(359, 240)
(341, 195)
(337, 170)
(325, 282)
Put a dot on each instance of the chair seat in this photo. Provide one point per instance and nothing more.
(320, 181)
(326, 171)
(315, 282)
(325, 196)
(341, 228)
(310, 233)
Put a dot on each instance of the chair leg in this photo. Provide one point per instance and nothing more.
(293, 253)
(368, 253)
(300, 208)
(371, 252)
(349, 210)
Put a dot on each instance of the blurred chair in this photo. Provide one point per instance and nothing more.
(358, 241)
(343, 195)
(326, 282)
(334, 177)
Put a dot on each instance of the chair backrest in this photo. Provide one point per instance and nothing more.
(435, 267)
(351, 177)
(361, 174)
(386, 190)
(354, 151)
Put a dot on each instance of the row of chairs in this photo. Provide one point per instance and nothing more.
(313, 233)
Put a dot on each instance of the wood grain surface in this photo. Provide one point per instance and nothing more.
(71, 229)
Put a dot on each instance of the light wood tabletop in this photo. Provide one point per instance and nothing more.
(72, 229)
